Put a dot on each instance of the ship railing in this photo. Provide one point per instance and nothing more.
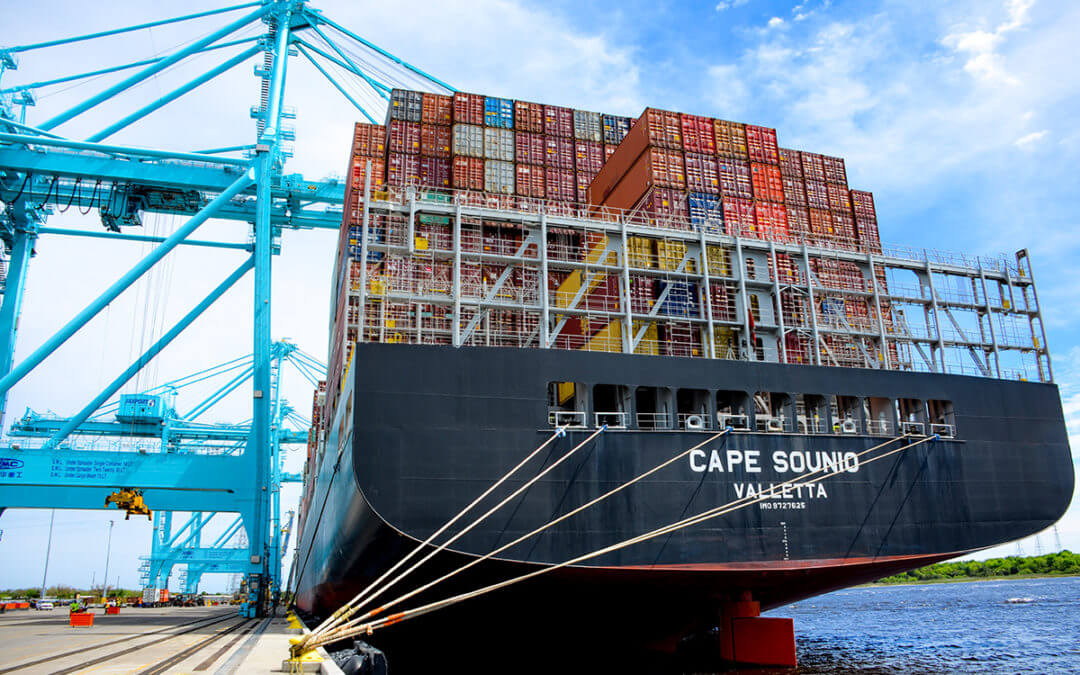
(879, 427)
(913, 428)
(613, 420)
(770, 424)
(693, 421)
(943, 430)
(812, 425)
(653, 421)
(735, 421)
(566, 418)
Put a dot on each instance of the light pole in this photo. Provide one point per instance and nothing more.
(48, 549)
(108, 550)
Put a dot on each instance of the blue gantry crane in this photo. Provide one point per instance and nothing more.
(42, 170)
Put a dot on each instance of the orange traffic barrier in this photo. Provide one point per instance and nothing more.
(81, 619)
(112, 609)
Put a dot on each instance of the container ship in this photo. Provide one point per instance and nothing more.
(507, 268)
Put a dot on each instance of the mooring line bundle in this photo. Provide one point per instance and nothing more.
(373, 589)
(360, 629)
(330, 636)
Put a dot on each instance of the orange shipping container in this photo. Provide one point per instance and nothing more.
(730, 139)
(529, 117)
(437, 109)
(369, 140)
(766, 181)
(656, 167)
(435, 141)
(661, 128)
(468, 109)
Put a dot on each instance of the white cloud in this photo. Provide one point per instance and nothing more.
(775, 22)
(1031, 139)
(980, 47)
(729, 4)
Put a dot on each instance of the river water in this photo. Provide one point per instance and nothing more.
(1014, 626)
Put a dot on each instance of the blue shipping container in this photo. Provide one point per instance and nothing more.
(707, 212)
(499, 112)
(681, 300)
(615, 128)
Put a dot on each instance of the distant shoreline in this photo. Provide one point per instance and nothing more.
(953, 580)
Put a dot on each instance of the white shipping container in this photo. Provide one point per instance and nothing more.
(468, 140)
(587, 126)
(499, 176)
(498, 144)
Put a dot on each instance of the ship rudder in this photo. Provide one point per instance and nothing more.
(747, 638)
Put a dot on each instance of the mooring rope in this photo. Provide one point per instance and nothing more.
(686, 522)
(373, 590)
(381, 609)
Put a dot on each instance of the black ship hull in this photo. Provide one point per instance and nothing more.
(426, 429)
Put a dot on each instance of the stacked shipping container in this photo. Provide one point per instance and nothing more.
(669, 170)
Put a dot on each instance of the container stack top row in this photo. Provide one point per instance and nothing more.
(666, 168)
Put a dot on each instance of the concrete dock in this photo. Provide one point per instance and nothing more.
(211, 640)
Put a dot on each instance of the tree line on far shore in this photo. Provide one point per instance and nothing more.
(65, 592)
(1063, 563)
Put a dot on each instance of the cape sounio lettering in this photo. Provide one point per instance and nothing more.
(783, 461)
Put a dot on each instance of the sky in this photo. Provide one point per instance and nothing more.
(959, 116)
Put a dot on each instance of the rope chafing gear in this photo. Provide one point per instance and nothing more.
(597, 500)
(348, 609)
(687, 522)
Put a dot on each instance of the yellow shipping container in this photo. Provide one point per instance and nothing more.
(671, 253)
(719, 260)
(640, 252)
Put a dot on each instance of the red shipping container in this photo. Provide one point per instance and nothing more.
(813, 167)
(468, 109)
(839, 199)
(697, 134)
(834, 170)
(559, 152)
(435, 171)
(588, 156)
(437, 109)
(666, 203)
(560, 184)
(378, 173)
(761, 144)
(467, 173)
(584, 179)
(435, 140)
(403, 169)
(662, 128)
(369, 140)
(404, 137)
(529, 117)
(817, 195)
(794, 191)
(530, 180)
(766, 182)
(735, 179)
(844, 229)
(866, 231)
(642, 294)
(790, 163)
(609, 150)
(529, 148)
(702, 174)
(771, 221)
(739, 217)
(821, 226)
(863, 205)
(558, 121)
(799, 223)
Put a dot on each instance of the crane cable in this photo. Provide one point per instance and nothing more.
(348, 609)
(597, 500)
(687, 522)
